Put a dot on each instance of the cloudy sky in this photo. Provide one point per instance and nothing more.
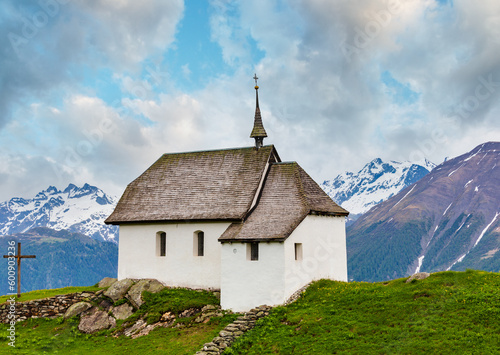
(95, 91)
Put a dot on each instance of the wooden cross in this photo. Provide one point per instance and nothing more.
(19, 257)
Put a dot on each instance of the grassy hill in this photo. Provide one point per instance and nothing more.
(447, 313)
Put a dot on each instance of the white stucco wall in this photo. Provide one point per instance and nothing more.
(272, 279)
(323, 252)
(246, 283)
(137, 254)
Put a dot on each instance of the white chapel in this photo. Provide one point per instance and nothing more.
(239, 220)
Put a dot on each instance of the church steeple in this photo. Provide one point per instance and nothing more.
(258, 131)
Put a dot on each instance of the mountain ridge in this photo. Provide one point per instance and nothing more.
(374, 183)
(78, 209)
(447, 220)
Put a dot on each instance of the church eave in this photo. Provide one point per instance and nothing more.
(160, 221)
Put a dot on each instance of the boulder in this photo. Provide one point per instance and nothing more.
(76, 309)
(122, 311)
(106, 282)
(135, 292)
(418, 276)
(118, 289)
(94, 320)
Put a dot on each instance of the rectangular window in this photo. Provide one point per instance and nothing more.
(254, 251)
(163, 244)
(201, 243)
(298, 251)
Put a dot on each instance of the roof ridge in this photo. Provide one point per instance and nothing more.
(216, 150)
(262, 183)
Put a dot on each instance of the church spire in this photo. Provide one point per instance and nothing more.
(258, 131)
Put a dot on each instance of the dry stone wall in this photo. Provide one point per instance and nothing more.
(48, 307)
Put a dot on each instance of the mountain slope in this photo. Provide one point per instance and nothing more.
(376, 182)
(62, 259)
(448, 219)
(77, 209)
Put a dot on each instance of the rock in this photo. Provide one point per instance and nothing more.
(231, 328)
(122, 311)
(118, 289)
(156, 286)
(135, 292)
(189, 312)
(209, 307)
(140, 324)
(94, 320)
(76, 309)
(224, 333)
(167, 317)
(145, 330)
(105, 304)
(418, 276)
(210, 347)
(106, 282)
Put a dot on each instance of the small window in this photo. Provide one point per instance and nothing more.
(298, 251)
(201, 243)
(253, 251)
(161, 244)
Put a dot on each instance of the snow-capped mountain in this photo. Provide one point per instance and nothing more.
(375, 183)
(450, 219)
(76, 209)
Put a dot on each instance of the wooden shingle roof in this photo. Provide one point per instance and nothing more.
(288, 196)
(206, 185)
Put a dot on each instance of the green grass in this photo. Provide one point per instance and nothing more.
(447, 313)
(39, 294)
(55, 336)
(50, 336)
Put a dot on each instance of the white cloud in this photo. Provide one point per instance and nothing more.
(129, 31)
(328, 110)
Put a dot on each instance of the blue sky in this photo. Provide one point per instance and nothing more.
(95, 91)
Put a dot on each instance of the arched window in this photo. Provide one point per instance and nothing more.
(199, 243)
(161, 244)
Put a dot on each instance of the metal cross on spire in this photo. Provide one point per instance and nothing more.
(258, 132)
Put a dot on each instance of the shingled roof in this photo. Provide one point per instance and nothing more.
(288, 196)
(205, 185)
